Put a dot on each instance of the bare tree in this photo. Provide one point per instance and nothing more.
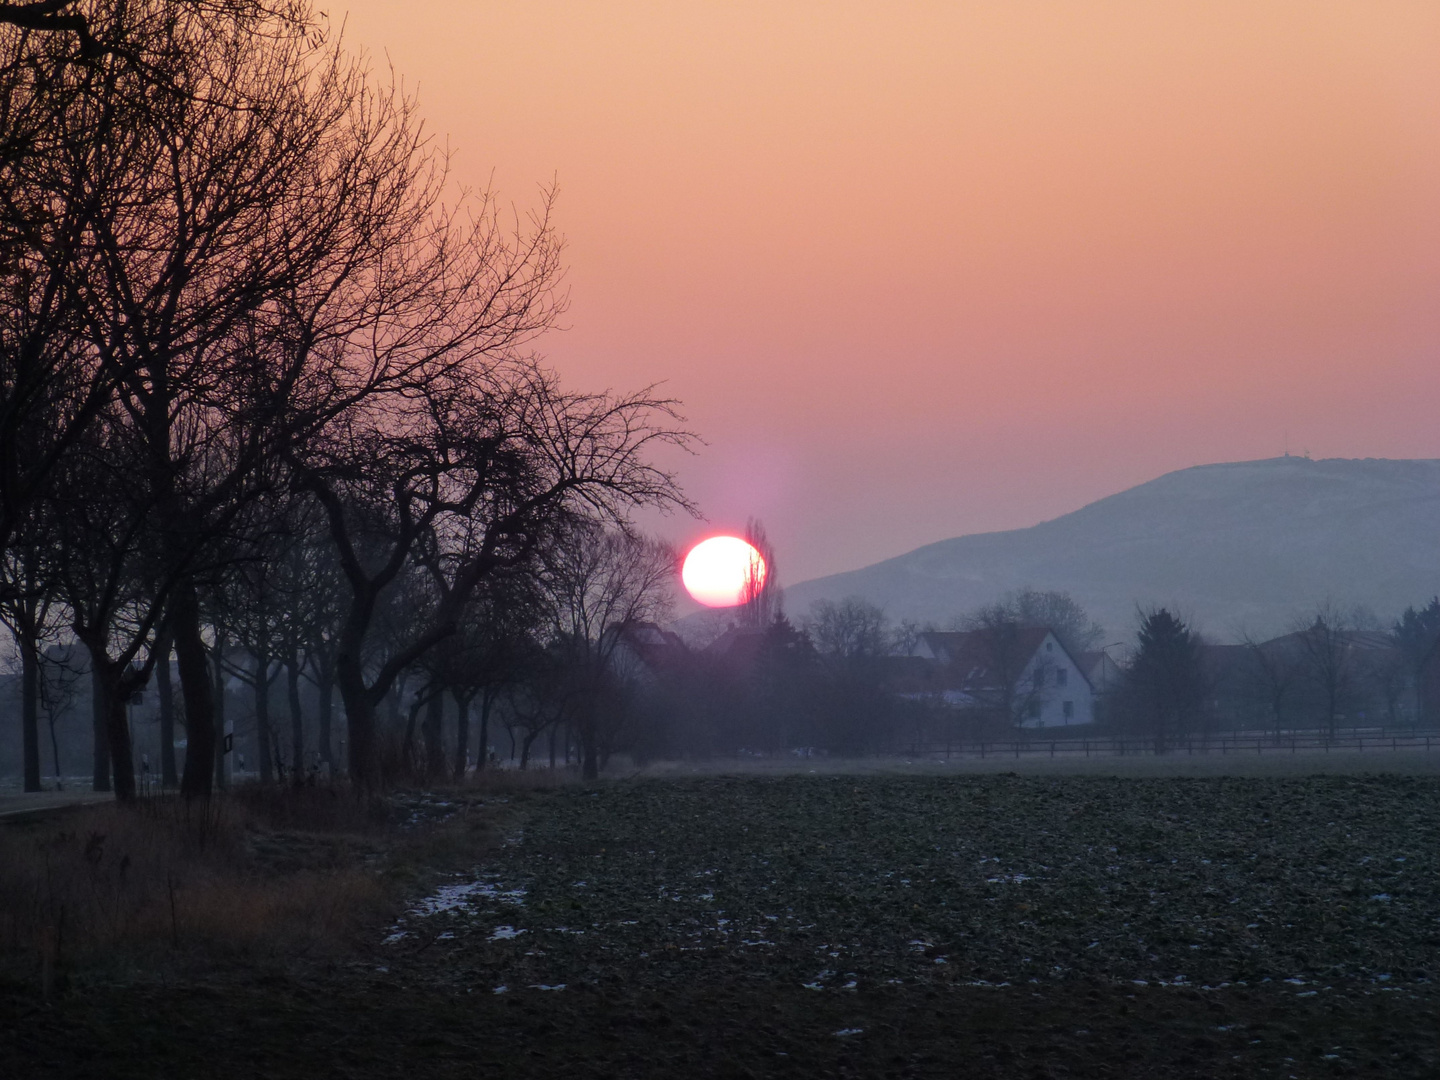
(86, 35)
(30, 608)
(487, 653)
(469, 481)
(1273, 674)
(849, 630)
(104, 568)
(601, 582)
(1059, 613)
(852, 639)
(1328, 661)
(763, 601)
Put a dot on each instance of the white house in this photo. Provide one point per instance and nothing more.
(1027, 671)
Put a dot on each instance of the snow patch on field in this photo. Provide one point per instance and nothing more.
(464, 895)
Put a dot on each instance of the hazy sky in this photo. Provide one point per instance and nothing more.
(922, 269)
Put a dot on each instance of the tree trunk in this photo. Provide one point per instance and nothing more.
(462, 735)
(552, 746)
(54, 749)
(360, 717)
(97, 721)
(262, 716)
(297, 718)
(407, 746)
(397, 702)
(431, 731)
(482, 752)
(117, 724)
(217, 692)
(111, 688)
(326, 689)
(586, 732)
(169, 777)
(195, 687)
(30, 707)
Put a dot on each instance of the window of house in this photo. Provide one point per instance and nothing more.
(1049, 646)
(1061, 674)
(1034, 710)
(1067, 709)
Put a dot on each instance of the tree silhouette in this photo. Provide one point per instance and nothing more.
(1165, 678)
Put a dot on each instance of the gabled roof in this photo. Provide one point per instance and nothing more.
(968, 660)
(972, 649)
(1090, 660)
(656, 647)
(737, 641)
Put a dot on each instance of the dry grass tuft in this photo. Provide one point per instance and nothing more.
(261, 872)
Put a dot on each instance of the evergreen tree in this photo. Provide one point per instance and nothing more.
(1165, 681)
(1416, 632)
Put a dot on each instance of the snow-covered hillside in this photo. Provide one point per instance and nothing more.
(1243, 545)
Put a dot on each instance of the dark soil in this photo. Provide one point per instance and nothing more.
(851, 926)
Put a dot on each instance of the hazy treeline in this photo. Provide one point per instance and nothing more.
(827, 682)
(1333, 668)
(834, 680)
(267, 404)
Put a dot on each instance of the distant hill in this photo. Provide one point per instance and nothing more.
(1247, 544)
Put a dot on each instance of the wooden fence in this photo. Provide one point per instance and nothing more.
(1034, 744)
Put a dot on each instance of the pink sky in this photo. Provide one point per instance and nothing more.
(923, 269)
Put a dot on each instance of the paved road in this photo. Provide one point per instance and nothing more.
(12, 805)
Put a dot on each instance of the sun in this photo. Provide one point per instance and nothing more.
(723, 571)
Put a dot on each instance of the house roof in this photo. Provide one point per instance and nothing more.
(656, 647)
(968, 657)
(737, 641)
(974, 648)
(1091, 660)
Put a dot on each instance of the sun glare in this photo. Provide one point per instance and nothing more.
(722, 571)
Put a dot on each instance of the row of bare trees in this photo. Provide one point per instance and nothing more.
(265, 378)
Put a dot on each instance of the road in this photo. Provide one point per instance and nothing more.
(16, 804)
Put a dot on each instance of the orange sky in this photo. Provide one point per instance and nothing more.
(922, 269)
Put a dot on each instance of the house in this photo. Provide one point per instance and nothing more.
(1023, 674)
(644, 649)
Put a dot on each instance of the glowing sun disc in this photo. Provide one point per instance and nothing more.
(722, 571)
